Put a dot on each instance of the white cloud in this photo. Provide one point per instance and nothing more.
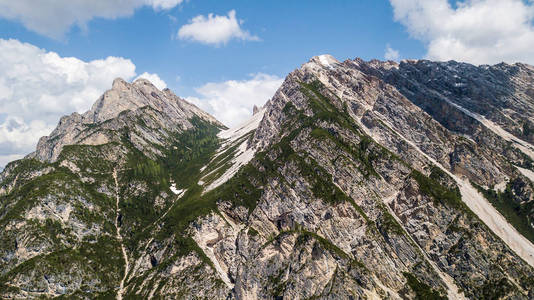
(17, 138)
(53, 18)
(231, 102)
(163, 4)
(38, 87)
(391, 54)
(476, 31)
(215, 30)
(154, 78)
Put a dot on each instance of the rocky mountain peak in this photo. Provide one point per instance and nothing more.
(119, 83)
(324, 60)
(319, 68)
(124, 96)
(357, 179)
(117, 108)
(143, 81)
(316, 63)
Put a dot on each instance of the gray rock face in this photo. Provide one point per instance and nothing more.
(391, 119)
(501, 93)
(160, 109)
(255, 110)
(363, 180)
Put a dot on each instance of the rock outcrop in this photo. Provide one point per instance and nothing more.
(111, 112)
(357, 180)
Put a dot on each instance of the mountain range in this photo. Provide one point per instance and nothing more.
(356, 180)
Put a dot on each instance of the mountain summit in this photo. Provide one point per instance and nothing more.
(356, 180)
(140, 101)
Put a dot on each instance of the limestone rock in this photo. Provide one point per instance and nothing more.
(356, 180)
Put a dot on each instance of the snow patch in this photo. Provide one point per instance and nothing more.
(327, 60)
(233, 134)
(243, 156)
(175, 190)
(244, 153)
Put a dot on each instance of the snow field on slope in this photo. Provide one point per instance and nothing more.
(243, 154)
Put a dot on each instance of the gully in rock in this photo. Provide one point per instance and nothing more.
(118, 222)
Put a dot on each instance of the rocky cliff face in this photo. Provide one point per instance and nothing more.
(356, 180)
(157, 112)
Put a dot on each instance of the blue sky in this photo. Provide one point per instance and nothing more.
(59, 56)
(291, 32)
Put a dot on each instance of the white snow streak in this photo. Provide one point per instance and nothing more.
(244, 153)
(235, 133)
(327, 60)
(175, 190)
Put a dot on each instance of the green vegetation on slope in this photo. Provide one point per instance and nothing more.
(101, 260)
(181, 163)
(449, 197)
(422, 290)
(508, 205)
(496, 289)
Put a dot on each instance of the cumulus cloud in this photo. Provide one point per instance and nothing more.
(476, 31)
(38, 87)
(53, 18)
(154, 78)
(163, 4)
(391, 54)
(231, 102)
(215, 30)
(18, 137)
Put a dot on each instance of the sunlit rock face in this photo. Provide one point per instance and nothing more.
(113, 111)
(356, 180)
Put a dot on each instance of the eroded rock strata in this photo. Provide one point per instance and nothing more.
(357, 180)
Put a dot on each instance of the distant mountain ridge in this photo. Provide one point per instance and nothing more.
(357, 179)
